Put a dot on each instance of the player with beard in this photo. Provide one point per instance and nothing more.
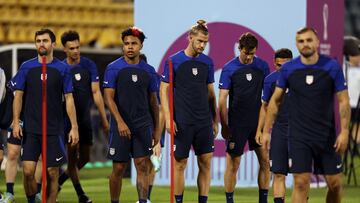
(27, 84)
(195, 121)
(313, 81)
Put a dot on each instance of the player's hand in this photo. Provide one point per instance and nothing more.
(17, 130)
(215, 129)
(258, 137)
(155, 137)
(73, 136)
(342, 141)
(157, 149)
(225, 132)
(265, 140)
(168, 127)
(124, 130)
(106, 127)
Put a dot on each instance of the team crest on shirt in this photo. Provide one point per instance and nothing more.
(41, 76)
(290, 163)
(77, 76)
(174, 147)
(248, 76)
(112, 151)
(134, 78)
(194, 71)
(309, 79)
(231, 145)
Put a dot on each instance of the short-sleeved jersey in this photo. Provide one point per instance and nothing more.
(268, 90)
(245, 83)
(83, 74)
(191, 78)
(29, 80)
(133, 85)
(311, 99)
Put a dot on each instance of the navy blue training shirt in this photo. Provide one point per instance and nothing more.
(312, 89)
(268, 90)
(83, 74)
(191, 78)
(245, 83)
(28, 79)
(133, 85)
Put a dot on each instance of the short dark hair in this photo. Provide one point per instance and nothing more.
(248, 41)
(133, 31)
(70, 35)
(46, 31)
(283, 53)
(200, 26)
(306, 29)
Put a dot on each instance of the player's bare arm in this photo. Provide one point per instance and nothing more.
(164, 97)
(344, 109)
(109, 101)
(17, 106)
(271, 114)
(99, 102)
(70, 109)
(261, 122)
(225, 130)
(212, 105)
(154, 108)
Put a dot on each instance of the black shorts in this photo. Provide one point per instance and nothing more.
(55, 154)
(121, 149)
(305, 155)
(239, 137)
(354, 116)
(200, 137)
(279, 157)
(12, 140)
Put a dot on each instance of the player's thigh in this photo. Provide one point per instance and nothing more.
(183, 140)
(141, 142)
(300, 156)
(236, 144)
(119, 147)
(203, 141)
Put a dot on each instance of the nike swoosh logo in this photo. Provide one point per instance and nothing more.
(163, 76)
(221, 84)
(150, 149)
(58, 159)
(106, 82)
(338, 166)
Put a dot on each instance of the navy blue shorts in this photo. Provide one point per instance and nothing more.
(239, 137)
(200, 137)
(306, 156)
(279, 157)
(121, 149)
(31, 149)
(1, 144)
(12, 140)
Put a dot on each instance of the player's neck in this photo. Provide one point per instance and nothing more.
(135, 60)
(49, 58)
(190, 52)
(310, 60)
(71, 61)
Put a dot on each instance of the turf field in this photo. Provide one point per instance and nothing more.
(95, 183)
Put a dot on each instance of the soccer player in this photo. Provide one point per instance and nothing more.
(242, 81)
(130, 86)
(195, 121)
(27, 84)
(313, 80)
(279, 141)
(85, 80)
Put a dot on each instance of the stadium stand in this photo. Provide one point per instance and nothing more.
(101, 19)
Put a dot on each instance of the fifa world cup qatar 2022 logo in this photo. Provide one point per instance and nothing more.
(223, 44)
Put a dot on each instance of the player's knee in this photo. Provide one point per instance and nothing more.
(279, 178)
(13, 155)
(142, 166)
(301, 184)
(53, 174)
(180, 164)
(118, 170)
(334, 185)
(204, 166)
(29, 174)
